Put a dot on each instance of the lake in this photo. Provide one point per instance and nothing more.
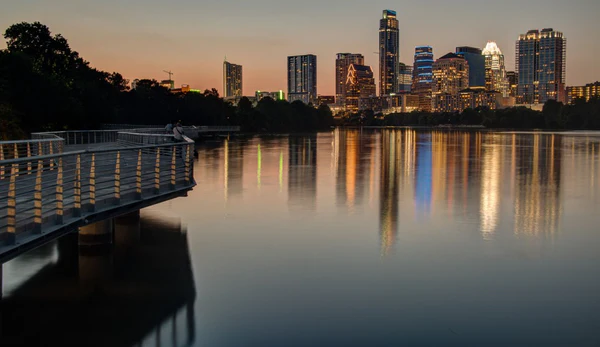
(349, 238)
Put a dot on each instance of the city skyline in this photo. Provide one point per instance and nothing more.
(139, 43)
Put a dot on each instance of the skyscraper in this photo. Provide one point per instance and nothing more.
(541, 66)
(342, 62)
(232, 80)
(302, 78)
(405, 77)
(360, 84)
(476, 65)
(423, 76)
(513, 81)
(495, 71)
(389, 53)
(450, 76)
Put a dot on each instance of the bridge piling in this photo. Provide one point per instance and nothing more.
(95, 247)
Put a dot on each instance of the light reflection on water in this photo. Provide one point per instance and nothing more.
(393, 237)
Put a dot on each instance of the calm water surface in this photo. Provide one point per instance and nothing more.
(355, 238)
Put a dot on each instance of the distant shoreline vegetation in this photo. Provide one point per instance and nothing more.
(45, 85)
(581, 115)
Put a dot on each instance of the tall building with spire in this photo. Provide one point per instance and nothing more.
(232, 80)
(541, 59)
(389, 53)
(495, 70)
(342, 64)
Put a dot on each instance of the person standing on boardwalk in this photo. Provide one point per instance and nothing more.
(178, 132)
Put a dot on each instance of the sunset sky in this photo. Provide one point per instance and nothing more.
(141, 38)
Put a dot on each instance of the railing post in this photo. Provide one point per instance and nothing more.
(187, 166)
(37, 199)
(118, 179)
(93, 183)
(1, 159)
(59, 193)
(77, 190)
(28, 156)
(173, 162)
(138, 177)
(16, 155)
(157, 172)
(12, 206)
(51, 151)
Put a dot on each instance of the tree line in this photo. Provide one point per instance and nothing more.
(555, 115)
(45, 85)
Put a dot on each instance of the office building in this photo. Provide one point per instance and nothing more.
(278, 95)
(513, 81)
(423, 76)
(325, 100)
(389, 53)
(476, 62)
(342, 62)
(541, 66)
(302, 78)
(360, 84)
(587, 92)
(232, 80)
(475, 97)
(450, 74)
(495, 70)
(405, 77)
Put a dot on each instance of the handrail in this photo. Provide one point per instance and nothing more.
(43, 193)
(29, 141)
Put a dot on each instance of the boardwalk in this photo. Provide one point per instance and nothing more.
(60, 181)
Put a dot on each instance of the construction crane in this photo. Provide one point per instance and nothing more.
(170, 74)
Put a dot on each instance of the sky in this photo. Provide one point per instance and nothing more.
(141, 38)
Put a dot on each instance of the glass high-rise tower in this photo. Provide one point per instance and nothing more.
(423, 76)
(476, 65)
(232, 80)
(302, 78)
(541, 66)
(405, 77)
(389, 53)
(342, 63)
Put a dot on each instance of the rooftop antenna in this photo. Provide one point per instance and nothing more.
(170, 74)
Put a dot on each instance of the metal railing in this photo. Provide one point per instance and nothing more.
(29, 148)
(81, 137)
(45, 191)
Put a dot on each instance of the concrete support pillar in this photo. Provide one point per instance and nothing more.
(126, 234)
(95, 251)
(97, 235)
(127, 229)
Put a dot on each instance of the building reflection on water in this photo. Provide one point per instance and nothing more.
(354, 167)
(140, 291)
(233, 153)
(302, 171)
(391, 152)
(537, 199)
(498, 181)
